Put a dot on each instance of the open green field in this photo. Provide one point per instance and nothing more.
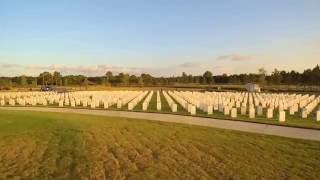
(38, 145)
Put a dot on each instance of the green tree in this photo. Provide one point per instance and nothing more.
(5, 83)
(46, 78)
(124, 78)
(86, 82)
(35, 82)
(65, 81)
(109, 77)
(190, 79)
(23, 81)
(262, 75)
(133, 79)
(184, 77)
(147, 79)
(207, 77)
(276, 77)
(140, 81)
(80, 79)
(57, 77)
(103, 81)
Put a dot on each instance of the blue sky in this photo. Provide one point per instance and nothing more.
(163, 37)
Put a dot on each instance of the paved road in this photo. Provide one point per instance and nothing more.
(291, 132)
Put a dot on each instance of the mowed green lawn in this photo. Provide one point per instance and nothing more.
(38, 145)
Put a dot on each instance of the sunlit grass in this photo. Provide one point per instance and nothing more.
(69, 146)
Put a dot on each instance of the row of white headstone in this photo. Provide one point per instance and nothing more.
(84, 98)
(171, 103)
(252, 103)
(229, 103)
(136, 100)
(92, 99)
(146, 102)
(191, 108)
(159, 106)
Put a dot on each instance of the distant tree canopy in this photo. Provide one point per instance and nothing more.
(277, 77)
(207, 78)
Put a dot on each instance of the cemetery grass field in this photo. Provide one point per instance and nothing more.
(38, 145)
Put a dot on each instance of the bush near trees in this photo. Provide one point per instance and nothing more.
(277, 77)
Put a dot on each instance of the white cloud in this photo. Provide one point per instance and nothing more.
(230, 63)
(235, 57)
(7, 69)
(6, 65)
(190, 65)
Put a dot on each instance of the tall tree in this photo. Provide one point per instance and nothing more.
(66, 81)
(133, 79)
(109, 76)
(262, 75)
(86, 82)
(5, 83)
(103, 81)
(276, 77)
(35, 82)
(184, 77)
(23, 81)
(45, 78)
(57, 77)
(147, 79)
(124, 78)
(207, 77)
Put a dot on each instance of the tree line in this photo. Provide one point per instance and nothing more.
(277, 77)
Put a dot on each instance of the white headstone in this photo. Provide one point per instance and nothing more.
(220, 107)
(60, 103)
(193, 110)
(304, 113)
(269, 113)
(119, 104)
(215, 107)
(259, 111)
(252, 113)
(282, 116)
(291, 110)
(144, 106)
(12, 102)
(130, 106)
(78, 102)
(174, 107)
(234, 112)
(318, 115)
(73, 104)
(2, 102)
(159, 106)
(226, 110)
(210, 110)
(238, 104)
(85, 103)
(189, 107)
(106, 105)
(280, 107)
(23, 102)
(93, 104)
